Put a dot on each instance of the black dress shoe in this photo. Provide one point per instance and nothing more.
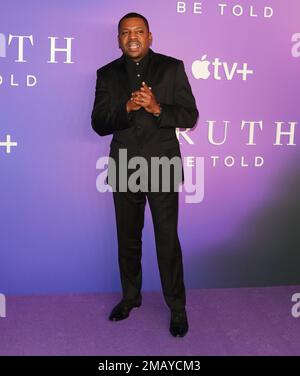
(179, 323)
(121, 310)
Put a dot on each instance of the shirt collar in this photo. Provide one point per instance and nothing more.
(143, 62)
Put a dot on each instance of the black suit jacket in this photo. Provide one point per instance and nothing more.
(141, 133)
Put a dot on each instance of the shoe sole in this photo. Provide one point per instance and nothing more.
(178, 335)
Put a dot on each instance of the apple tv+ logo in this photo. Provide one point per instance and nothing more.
(221, 70)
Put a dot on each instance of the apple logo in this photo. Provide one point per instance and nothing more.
(200, 68)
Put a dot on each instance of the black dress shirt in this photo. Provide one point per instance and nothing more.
(137, 72)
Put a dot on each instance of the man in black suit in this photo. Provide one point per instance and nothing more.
(141, 98)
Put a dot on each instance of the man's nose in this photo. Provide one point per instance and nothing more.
(132, 34)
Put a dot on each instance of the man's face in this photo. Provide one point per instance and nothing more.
(134, 38)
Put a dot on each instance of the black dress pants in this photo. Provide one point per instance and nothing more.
(129, 210)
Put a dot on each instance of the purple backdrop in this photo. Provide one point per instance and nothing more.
(58, 231)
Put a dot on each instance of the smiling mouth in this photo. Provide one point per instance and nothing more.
(133, 46)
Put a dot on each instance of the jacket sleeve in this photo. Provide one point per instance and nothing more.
(183, 113)
(107, 117)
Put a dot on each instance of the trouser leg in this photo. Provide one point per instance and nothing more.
(129, 211)
(164, 210)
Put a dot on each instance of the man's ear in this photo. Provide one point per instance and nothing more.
(150, 38)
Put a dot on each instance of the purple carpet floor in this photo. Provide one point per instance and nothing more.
(244, 321)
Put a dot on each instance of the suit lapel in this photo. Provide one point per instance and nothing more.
(123, 79)
(152, 69)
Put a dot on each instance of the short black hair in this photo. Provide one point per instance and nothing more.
(132, 15)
